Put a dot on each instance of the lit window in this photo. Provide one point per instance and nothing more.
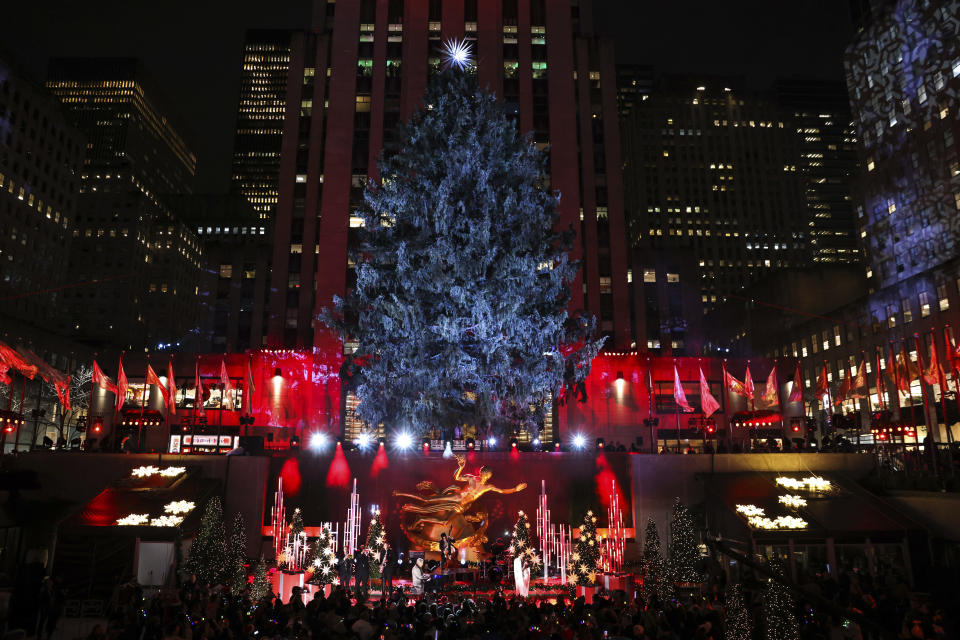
(226, 271)
(301, 178)
(924, 304)
(673, 277)
(649, 275)
(306, 107)
(942, 297)
(907, 311)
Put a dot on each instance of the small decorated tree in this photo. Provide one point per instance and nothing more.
(208, 557)
(736, 621)
(237, 556)
(656, 578)
(779, 621)
(684, 554)
(376, 537)
(261, 585)
(323, 562)
(521, 544)
(586, 556)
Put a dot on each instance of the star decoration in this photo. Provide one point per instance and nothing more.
(456, 54)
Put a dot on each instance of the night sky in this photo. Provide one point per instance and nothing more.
(193, 48)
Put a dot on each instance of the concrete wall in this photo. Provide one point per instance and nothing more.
(660, 479)
(73, 479)
(940, 512)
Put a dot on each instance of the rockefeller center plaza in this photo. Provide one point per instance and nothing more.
(480, 319)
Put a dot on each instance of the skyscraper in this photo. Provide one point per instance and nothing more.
(40, 160)
(348, 85)
(715, 173)
(126, 239)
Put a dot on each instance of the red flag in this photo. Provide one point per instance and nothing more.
(796, 392)
(823, 383)
(907, 370)
(100, 379)
(154, 379)
(13, 360)
(858, 385)
(121, 386)
(248, 392)
(678, 395)
(4, 378)
(748, 384)
(225, 402)
(881, 383)
(171, 388)
(892, 368)
(844, 389)
(771, 392)
(732, 384)
(933, 374)
(708, 403)
(198, 391)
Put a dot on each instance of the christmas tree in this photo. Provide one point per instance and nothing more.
(779, 620)
(237, 556)
(521, 544)
(736, 621)
(586, 556)
(656, 579)
(208, 557)
(261, 585)
(323, 562)
(375, 540)
(684, 552)
(460, 306)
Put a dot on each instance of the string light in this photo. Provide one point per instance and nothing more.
(456, 54)
(810, 483)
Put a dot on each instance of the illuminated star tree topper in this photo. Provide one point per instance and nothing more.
(456, 54)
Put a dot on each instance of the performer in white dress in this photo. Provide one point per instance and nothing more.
(521, 575)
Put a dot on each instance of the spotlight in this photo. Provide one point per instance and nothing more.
(294, 442)
(363, 440)
(426, 445)
(339, 442)
(382, 442)
(491, 441)
(404, 441)
(579, 442)
(536, 442)
(318, 440)
(556, 446)
(599, 443)
(513, 443)
(470, 443)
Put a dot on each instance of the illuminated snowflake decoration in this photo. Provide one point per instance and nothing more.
(166, 521)
(134, 520)
(457, 54)
(179, 506)
(794, 502)
(758, 520)
(149, 470)
(173, 472)
(812, 483)
(145, 472)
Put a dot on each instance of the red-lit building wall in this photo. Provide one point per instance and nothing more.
(345, 92)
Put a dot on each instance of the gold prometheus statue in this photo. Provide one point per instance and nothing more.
(452, 511)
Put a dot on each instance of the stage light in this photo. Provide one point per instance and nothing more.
(491, 441)
(318, 440)
(426, 445)
(470, 443)
(513, 443)
(536, 442)
(381, 442)
(579, 442)
(363, 440)
(599, 443)
(404, 441)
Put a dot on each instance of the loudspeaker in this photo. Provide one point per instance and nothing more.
(253, 445)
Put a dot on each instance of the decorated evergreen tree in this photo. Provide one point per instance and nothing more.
(779, 621)
(296, 523)
(261, 585)
(736, 621)
(460, 306)
(521, 544)
(684, 554)
(323, 562)
(376, 537)
(586, 555)
(237, 556)
(208, 557)
(656, 578)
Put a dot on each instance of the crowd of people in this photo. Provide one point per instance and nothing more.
(201, 612)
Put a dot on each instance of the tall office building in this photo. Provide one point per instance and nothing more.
(819, 113)
(716, 174)
(903, 71)
(40, 160)
(126, 239)
(260, 115)
(347, 86)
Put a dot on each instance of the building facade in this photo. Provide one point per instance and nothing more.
(237, 248)
(41, 156)
(715, 173)
(349, 84)
(126, 240)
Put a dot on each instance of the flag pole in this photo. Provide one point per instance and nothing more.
(653, 441)
(117, 402)
(881, 385)
(826, 379)
(90, 406)
(726, 401)
(941, 382)
(777, 389)
(143, 406)
(677, 405)
(169, 400)
(923, 392)
(906, 370)
(948, 348)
